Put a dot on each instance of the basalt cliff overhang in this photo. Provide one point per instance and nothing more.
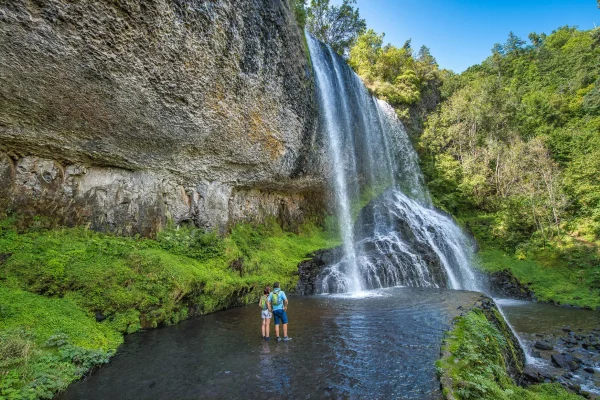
(127, 114)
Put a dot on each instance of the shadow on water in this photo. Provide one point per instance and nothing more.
(383, 345)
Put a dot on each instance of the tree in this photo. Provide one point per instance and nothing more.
(300, 12)
(514, 44)
(365, 53)
(338, 26)
(537, 40)
(424, 56)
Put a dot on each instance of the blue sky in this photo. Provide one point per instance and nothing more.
(462, 33)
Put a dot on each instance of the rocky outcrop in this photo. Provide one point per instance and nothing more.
(309, 269)
(503, 284)
(127, 113)
(568, 357)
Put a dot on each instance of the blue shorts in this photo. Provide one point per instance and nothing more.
(280, 315)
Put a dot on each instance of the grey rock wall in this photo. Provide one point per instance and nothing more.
(127, 113)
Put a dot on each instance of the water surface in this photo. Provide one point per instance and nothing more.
(380, 345)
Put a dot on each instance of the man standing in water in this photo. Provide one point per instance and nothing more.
(278, 304)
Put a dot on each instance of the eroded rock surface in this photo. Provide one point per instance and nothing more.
(126, 113)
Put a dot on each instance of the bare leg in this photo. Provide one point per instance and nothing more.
(268, 326)
(264, 328)
(277, 330)
(285, 330)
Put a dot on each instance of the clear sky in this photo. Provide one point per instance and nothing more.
(462, 33)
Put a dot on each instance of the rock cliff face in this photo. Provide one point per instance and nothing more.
(127, 113)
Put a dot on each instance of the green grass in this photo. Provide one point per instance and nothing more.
(45, 343)
(474, 365)
(54, 281)
(550, 275)
(559, 269)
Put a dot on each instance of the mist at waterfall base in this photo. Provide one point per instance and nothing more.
(398, 239)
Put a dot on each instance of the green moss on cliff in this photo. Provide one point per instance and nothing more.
(54, 282)
(475, 361)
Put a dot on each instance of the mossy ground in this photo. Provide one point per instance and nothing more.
(561, 269)
(474, 366)
(54, 281)
(550, 278)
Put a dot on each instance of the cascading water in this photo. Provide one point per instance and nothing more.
(399, 239)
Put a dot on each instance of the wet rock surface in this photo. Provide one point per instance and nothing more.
(130, 113)
(572, 359)
(503, 284)
(309, 270)
(398, 242)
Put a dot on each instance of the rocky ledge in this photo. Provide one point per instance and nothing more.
(512, 354)
(503, 284)
(125, 114)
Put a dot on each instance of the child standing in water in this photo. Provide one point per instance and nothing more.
(265, 313)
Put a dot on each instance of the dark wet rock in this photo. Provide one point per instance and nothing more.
(532, 375)
(100, 317)
(380, 253)
(505, 284)
(547, 376)
(543, 345)
(565, 361)
(572, 341)
(575, 387)
(411, 260)
(589, 370)
(536, 354)
(310, 269)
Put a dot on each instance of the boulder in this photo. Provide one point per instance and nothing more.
(565, 361)
(543, 345)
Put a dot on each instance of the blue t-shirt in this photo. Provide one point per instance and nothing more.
(280, 300)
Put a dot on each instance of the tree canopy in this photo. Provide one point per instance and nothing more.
(338, 26)
(517, 138)
(391, 73)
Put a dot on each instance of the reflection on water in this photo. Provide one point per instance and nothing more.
(376, 346)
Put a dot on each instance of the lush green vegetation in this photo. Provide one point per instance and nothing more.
(54, 282)
(336, 25)
(513, 152)
(517, 137)
(475, 364)
(394, 74)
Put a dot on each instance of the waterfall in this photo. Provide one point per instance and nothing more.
(399, 239)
